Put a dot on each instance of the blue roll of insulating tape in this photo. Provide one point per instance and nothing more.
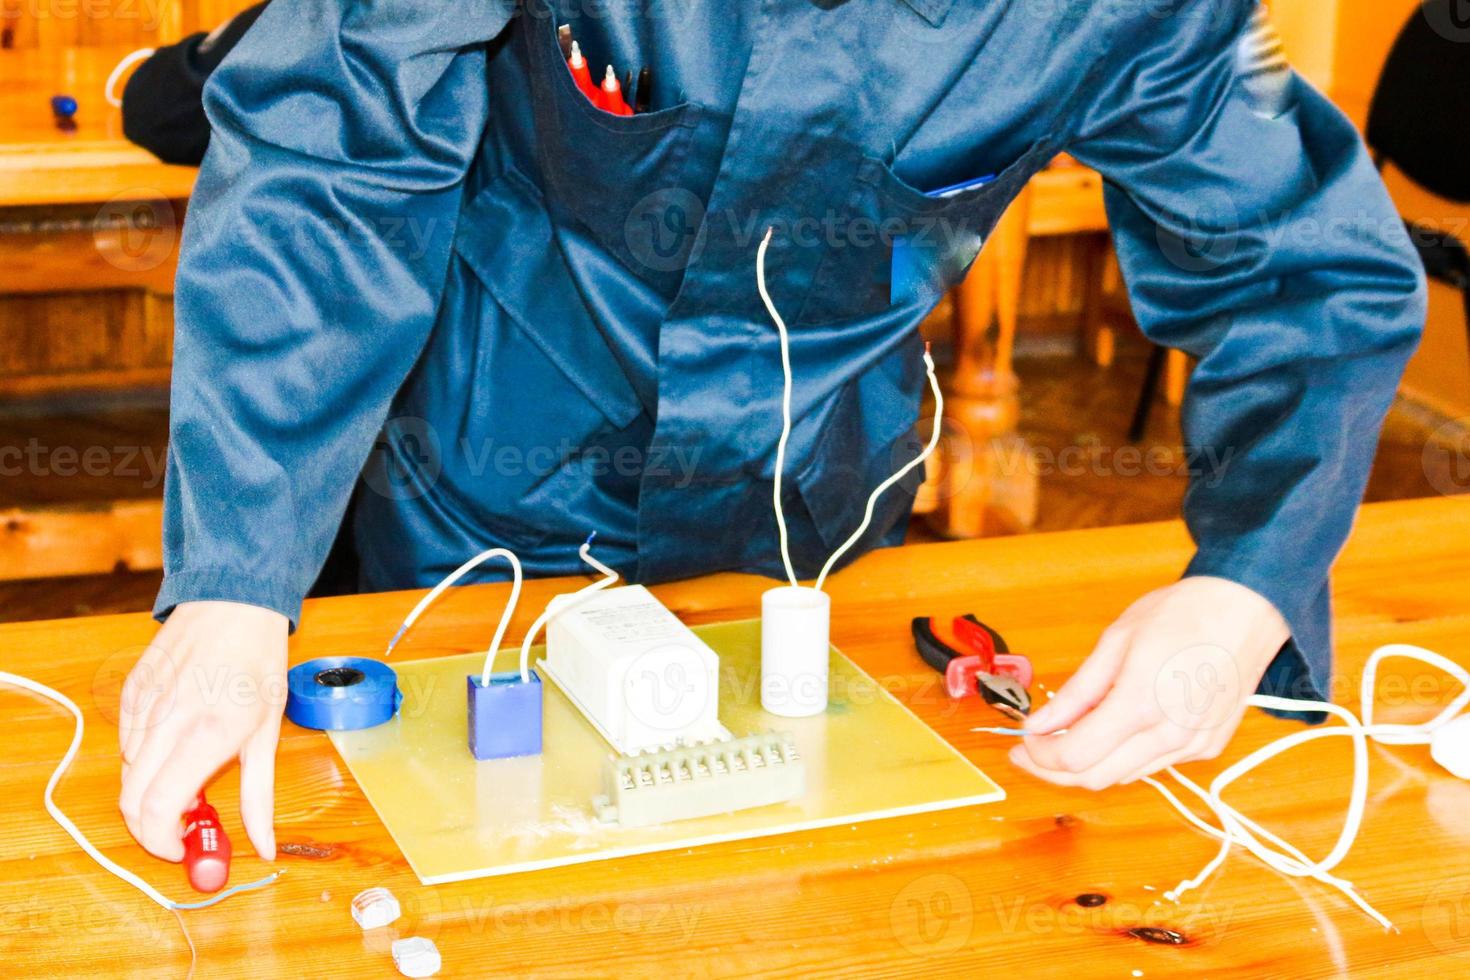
(342, 694)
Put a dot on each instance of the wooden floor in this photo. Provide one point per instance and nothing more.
(1075, 416)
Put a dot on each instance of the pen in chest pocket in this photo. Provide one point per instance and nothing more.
(581, 74)
(608, 96)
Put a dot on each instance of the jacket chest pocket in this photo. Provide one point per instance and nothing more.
(902, 247)
(610, 172)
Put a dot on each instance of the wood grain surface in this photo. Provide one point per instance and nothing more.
(94, 163)
(982, 891)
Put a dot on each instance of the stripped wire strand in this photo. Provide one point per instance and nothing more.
(558, 605)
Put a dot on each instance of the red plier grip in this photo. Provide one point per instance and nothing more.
(985, 652)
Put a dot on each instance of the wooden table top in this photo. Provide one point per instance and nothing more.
(40, 164)
(970, 892)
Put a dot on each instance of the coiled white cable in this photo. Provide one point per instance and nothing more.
(35, 687)
(1276, 853)
(760, 279)
(130, 59)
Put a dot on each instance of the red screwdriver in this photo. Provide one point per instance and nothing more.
(206, 849)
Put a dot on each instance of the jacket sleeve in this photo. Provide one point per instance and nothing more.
(162, 103)
(314, 256)
(1254, 233)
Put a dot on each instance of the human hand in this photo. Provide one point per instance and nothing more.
(1167, 683)
(209, 688)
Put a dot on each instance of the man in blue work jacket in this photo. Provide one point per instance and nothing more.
(409, 213)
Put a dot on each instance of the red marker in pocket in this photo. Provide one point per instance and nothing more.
(206, 849)
(611, 98)
(582, 75)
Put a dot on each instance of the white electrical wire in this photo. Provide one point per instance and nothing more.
(1276, 853)
(556, 605)
(108, 89)
(903, 472)
(455, 576)
(760, 280)
(35, 687)
(760, 283)
(560, 604)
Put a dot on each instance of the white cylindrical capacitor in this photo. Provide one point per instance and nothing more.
(794, 628)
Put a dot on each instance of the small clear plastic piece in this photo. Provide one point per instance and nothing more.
(416, 957)
(375, 908)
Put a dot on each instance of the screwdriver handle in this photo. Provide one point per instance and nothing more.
(206, 849)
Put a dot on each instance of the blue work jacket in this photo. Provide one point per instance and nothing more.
(414, 242)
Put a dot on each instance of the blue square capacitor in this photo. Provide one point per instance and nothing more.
(505, 716)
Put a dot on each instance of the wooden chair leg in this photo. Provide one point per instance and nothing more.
(979, 480)
(1176, 377)
(1147, 393)
(1098, 337)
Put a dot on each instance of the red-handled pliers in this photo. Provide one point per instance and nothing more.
(985, 665)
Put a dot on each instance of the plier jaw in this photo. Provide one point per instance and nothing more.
(985, 666)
